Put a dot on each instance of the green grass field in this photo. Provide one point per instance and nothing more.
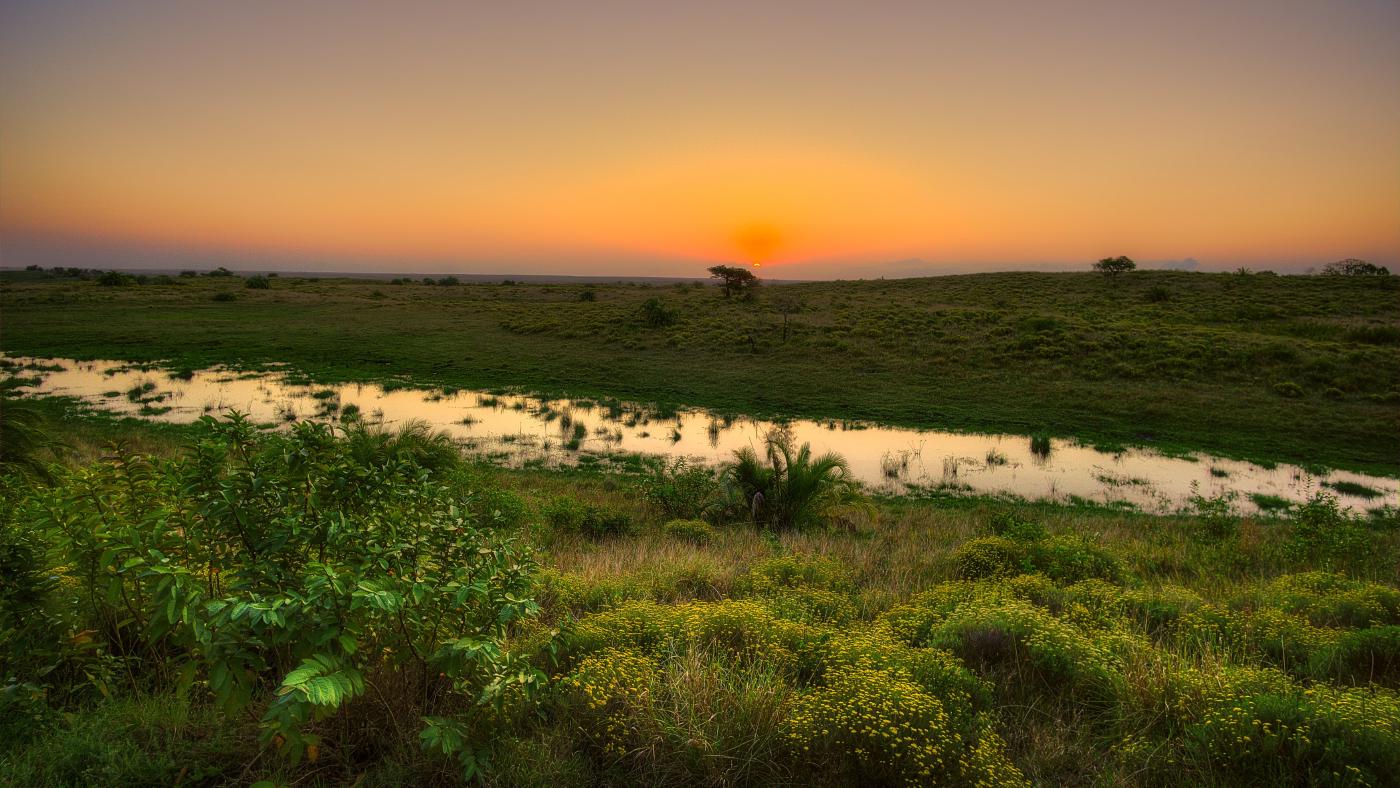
(956, 641)
(1299, 369)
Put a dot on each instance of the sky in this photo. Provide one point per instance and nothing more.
(642, 138)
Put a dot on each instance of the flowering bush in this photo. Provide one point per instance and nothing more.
(872, 726)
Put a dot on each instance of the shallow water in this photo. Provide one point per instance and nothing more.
(520, 429)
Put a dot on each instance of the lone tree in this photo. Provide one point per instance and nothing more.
(1354, 267)
(1113, 266)
(786, 305)
(733, 279)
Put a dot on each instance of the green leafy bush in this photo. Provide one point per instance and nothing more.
(1009, 525)
(1321, 532)
(570, 516)
(681, 489)
(286, 573)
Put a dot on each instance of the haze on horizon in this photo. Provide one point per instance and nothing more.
(651, 139)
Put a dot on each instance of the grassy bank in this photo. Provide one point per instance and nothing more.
(1298, 369)
(892, 642)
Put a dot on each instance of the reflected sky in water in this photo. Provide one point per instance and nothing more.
(518, 429)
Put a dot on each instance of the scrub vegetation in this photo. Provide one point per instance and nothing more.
(221, 604)
(1301, 369)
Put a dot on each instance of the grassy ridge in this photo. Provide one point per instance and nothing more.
(1300, 369)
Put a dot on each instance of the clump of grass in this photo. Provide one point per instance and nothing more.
(138, 392)
(1270, 503)
(1354, 489)
(1040, 444)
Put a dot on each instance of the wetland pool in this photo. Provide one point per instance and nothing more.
(520, 429)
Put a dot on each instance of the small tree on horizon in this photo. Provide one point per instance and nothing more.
(1113, 266)
(1354, 267)
(733, 279)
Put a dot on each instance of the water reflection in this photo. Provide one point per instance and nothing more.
(520, 429)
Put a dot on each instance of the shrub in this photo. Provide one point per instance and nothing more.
(989, 557)
(224, 296)
(995, 629)
(610, 692)
(798, 571)
(570, 516)
(1333, 600)
(1320, 531)
(681, 489)
(655, 313)
(693, 531)
(115, 279)
(1070, 559)
(564, 514)
(1324, 736)
(1007, 524)
(257, 282)
(289, 571)
(1215, 519)
(1288, 389)
(869, 726)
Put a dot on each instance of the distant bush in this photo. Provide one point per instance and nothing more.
(224, 296)
(116, 279)
(257, 282)
(220, 272)
(656, 314)
(1157, 294)
(1288, 389)
(588, 294)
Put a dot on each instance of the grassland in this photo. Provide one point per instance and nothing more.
(987, 642)
(1298, 369)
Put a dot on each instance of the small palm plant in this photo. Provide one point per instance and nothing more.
(789, 488)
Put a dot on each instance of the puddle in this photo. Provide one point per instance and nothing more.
(520, 429)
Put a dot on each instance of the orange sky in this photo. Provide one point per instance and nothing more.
(642, 138)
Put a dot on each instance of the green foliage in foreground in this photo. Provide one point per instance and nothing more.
(333, 607)
(295, 577)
